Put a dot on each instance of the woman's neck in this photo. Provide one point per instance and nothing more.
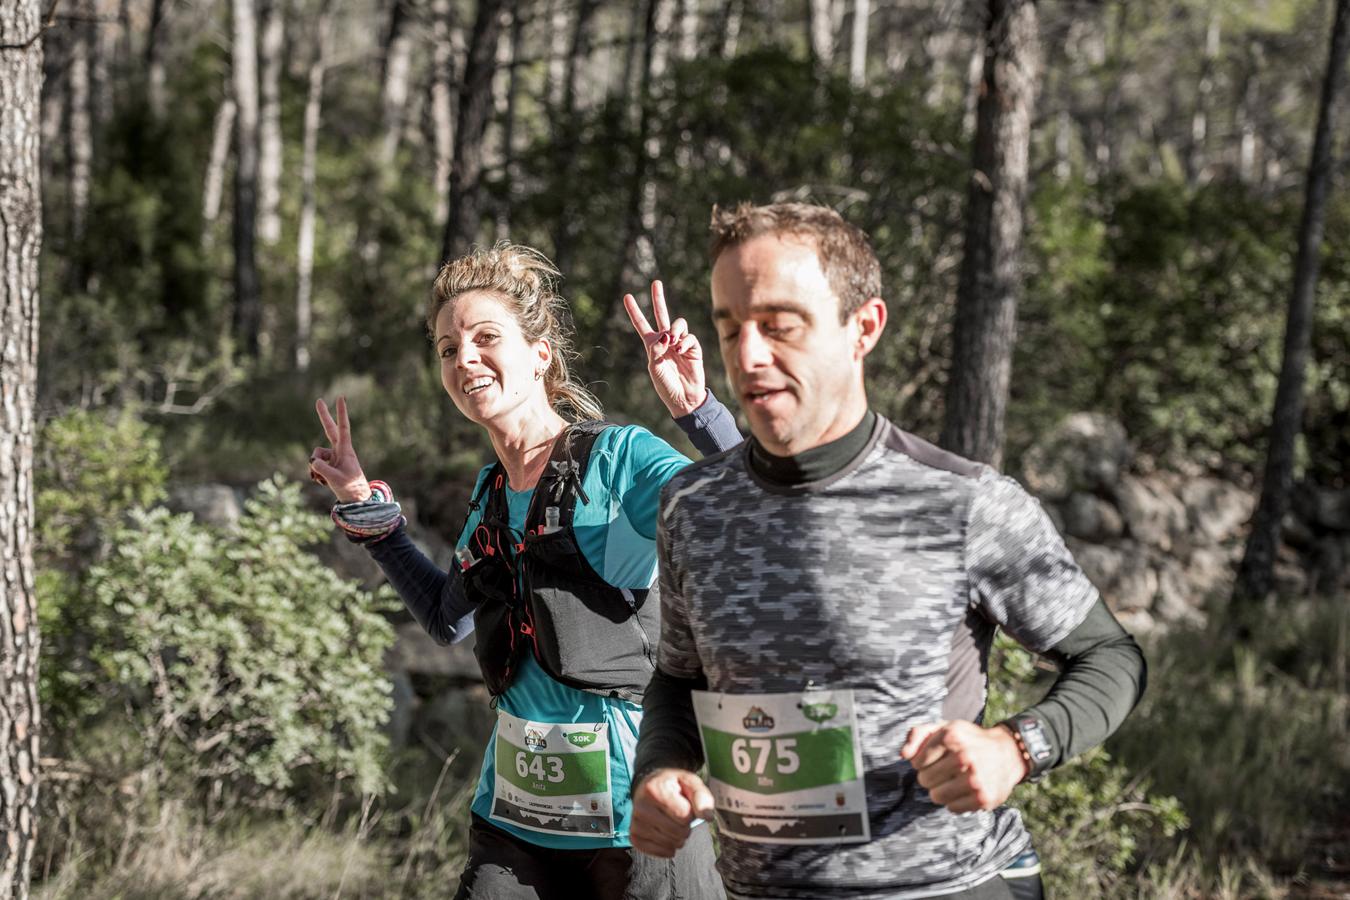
(523, 444)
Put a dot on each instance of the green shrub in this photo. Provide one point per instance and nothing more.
(241, 656)
(1088, 818)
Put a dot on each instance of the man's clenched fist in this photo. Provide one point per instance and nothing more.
(964, 766)
(665, 803)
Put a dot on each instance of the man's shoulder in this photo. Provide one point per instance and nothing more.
(895, 440)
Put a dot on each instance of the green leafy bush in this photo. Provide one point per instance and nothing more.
(1088, 818)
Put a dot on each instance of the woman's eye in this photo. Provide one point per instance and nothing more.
(729, 335)
(487, 338)
(448, 352)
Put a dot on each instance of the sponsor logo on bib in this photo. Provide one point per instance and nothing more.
(820, 712)
(535, 740)
(757, 720)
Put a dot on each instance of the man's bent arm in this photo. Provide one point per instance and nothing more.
(1102, 677)
(669, 735)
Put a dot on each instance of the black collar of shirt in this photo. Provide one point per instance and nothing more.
(816, 463)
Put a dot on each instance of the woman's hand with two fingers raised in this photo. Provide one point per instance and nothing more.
(336, 466)
(674, 356)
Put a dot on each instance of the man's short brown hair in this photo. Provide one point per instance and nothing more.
(846, 256)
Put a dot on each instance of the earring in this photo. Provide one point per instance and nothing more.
(538, 373)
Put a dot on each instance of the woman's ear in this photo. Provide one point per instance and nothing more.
(545, 351)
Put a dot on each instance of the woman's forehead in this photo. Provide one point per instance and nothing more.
(471, 309)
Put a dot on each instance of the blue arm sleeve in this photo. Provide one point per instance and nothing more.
(435, 598)
(711, 428)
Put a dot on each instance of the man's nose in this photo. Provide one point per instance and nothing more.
(752, 351)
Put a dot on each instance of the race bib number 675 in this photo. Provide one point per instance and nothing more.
(785, 768)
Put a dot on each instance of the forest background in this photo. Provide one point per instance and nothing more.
(243, 206)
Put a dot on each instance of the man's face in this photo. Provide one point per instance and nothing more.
(794, 367)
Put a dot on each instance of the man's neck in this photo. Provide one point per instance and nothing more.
(818, 462)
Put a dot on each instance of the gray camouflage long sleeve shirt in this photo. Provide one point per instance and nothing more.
(888, 577)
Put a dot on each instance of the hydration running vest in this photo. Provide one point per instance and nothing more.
(537, 591)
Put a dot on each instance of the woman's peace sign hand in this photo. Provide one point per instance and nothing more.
(674, 357)
(337, 466)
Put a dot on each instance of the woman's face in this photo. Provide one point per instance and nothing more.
(487, 366)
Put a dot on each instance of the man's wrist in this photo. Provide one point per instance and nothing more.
(1033, 744)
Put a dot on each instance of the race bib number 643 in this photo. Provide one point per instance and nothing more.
(785, 768)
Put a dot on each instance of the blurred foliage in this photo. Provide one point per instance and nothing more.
(1088, 818)
(1165, 306)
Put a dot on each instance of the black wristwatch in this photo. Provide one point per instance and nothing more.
(1033, 741)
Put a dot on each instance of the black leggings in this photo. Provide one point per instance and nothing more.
(503, 867)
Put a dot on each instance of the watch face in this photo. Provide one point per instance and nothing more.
(1033, 736)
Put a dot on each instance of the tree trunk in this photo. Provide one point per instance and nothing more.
(304, 280)
(507, 57)
(1256, 574)
(155, 77)
(394, 78)
(244, 63)
(20, 246)
(688, 29)
(634, 239)
(79, 130)
(565, 129)
(726, 31)
(559, 28)
(990, 279)
(1196, 156)
(465, 208)
(214, 186)
(857, 63)
(103, 61)
(442, 100)
(271, 48)
(820, 31)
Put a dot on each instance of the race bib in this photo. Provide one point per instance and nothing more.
(553, 778)
(785, 768)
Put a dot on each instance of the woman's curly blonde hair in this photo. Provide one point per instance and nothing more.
(525, 280)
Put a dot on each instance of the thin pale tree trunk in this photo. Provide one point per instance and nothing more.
(79, 130)
(156, 80)
(394, 78)
(271, 46)
(820, 31)
(565, 128)
(726, 32)
(857, 62)
(20, 247)
(1256, 574)
(637, 258)
(687, 29)
(465, 208)
(213, 188)
(103, 60)
(991, 276)
(304, 280)
(559, 27)
(442, 101)
(247, 297)
(1197, 155)
(510, 164)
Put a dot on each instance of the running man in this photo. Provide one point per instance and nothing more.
(830, 590)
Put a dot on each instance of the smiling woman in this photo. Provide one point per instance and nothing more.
(553, 575)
